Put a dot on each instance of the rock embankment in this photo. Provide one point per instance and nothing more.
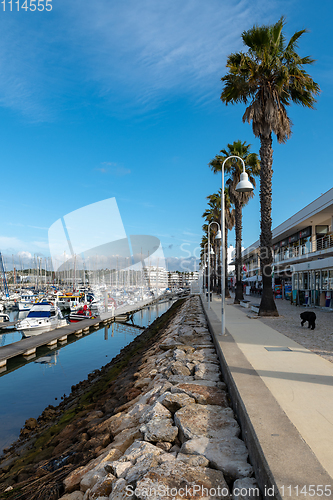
(179, 437)
(171, 435)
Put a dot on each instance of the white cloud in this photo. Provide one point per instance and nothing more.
(11, 243)
(113, 169)
(25, 255)
(132, 55)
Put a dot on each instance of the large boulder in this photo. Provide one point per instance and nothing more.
(139, 448)
(202, 394)
(159, 429)
(156, 411)
(173, 402)
(178, 480)
(228, 455)
(120, 490)
(208, 421)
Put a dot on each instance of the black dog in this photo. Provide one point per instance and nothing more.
(310, 317)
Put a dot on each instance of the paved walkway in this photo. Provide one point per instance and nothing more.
(284, 399)
(288, 322)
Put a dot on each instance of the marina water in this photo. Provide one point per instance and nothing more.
(27, 387)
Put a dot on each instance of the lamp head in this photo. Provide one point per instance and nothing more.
(218, 235)
(244, 185)
(212, 251)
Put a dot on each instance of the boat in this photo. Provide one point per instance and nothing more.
(27, 300)
(43, 317)
(72, 301)
(81, 314)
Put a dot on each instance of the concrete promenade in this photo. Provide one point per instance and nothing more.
(283, 397)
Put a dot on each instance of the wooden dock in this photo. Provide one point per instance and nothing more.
(28, 346)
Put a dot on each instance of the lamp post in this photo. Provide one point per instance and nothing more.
(217, 237)
(244, 186)
(204, 268)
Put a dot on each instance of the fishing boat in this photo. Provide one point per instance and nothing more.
(43, 317)
(27, 300)
(81, 314)
(72, 301)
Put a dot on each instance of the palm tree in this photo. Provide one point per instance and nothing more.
(204, 241)
(229, 222)
(269, 76)
(213, 214)
(233, 169)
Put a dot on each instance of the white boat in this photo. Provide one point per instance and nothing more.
(42, 317)
(71, 301)
(26, 301)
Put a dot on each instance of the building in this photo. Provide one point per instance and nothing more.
(179, 279)
(302, 255)
(155, 277)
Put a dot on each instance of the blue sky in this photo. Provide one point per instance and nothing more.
(122, 99)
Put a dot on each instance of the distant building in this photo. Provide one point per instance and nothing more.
(155, 277)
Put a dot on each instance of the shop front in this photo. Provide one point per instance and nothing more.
(313, 286)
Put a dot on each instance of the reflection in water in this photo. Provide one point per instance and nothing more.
(48, 359)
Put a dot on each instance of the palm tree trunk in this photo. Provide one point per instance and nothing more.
(238, 261)
(227, 292)
(267, 304)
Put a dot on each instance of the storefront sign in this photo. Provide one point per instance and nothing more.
(305, 232)
(293, 238)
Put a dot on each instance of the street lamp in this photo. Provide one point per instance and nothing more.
(217, 237)
(204, 267)
(244, 186)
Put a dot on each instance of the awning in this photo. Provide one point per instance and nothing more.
(253, 278)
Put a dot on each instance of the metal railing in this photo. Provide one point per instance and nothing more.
(325, 242)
